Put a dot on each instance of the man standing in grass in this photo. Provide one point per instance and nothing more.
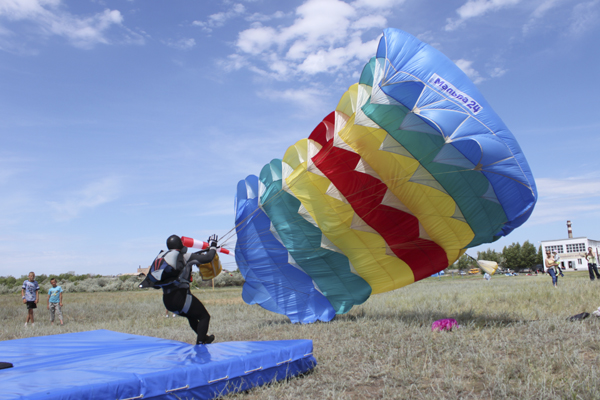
(55, 301)
(30, 295)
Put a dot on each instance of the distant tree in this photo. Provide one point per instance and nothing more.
(489, 255)
(502, 262)
(8, 281)
(528, 255)
(464, 262)
(512, 256)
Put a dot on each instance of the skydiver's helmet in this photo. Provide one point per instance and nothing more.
(174, 243)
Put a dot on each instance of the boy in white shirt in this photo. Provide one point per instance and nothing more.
(30, 294)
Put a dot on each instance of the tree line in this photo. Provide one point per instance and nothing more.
(516, 257)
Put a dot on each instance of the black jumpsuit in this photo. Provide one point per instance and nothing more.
(179, 300)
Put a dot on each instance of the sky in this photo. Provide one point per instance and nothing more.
(125, 121)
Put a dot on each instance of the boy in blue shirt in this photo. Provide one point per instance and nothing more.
(30, 295)
(55, 301)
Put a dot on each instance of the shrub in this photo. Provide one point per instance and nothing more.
(6, 289)
(229, 279)
(101, 282)
(98, 283)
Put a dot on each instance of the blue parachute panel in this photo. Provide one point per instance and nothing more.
(329, 269)
(436, 90)
(110, 365)
(271, 279)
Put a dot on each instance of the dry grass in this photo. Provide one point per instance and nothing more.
(514, 341)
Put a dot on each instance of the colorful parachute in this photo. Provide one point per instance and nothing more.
(412, 168)
(488, 266)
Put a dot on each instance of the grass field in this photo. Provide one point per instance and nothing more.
(514, 340)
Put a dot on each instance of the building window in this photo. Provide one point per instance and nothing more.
(575, 247)
(579, 261)
(558, 248)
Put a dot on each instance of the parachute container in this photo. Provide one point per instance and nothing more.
(211, 269)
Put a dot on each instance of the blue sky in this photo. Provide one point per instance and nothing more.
(123, 122)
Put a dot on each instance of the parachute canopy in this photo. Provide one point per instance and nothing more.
(488, 266)
(412, 168)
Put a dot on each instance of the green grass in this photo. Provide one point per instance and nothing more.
(514, 340)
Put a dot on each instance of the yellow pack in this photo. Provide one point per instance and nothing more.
(211, 270)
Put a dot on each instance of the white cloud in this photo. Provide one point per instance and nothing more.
(466, 67)
(233, 62)
(377, 4)
(325, 37)
(584, 17)
(25, 9)
(51, 19)
(574, 20)
(306, 99)
(331, 60)
(320, 22)
(16, 199)
(568, 198)
(431, 38)
(217, 20)
(544, 7)
(258, 17)
(538, 14)
(477, 8)
(370, 21)
(91, 196)
(581, 187)
(497, 72)
(182, 44)
(256, 40)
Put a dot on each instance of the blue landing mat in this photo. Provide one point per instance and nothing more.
(104, 364)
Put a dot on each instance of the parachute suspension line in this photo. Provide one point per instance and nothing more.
(230, 232)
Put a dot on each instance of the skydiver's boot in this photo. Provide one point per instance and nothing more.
(206, 340)
(209, 339)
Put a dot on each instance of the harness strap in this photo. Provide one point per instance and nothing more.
(188, 303)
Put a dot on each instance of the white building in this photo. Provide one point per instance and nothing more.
(572, 251)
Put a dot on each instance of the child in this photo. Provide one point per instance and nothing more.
(557, 261)
(55, 301)
(30, 294)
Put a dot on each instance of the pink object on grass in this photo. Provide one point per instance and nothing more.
(444, 324)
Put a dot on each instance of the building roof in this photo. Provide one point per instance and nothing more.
(557, 240)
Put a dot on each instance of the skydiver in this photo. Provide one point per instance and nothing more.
(175, 283)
